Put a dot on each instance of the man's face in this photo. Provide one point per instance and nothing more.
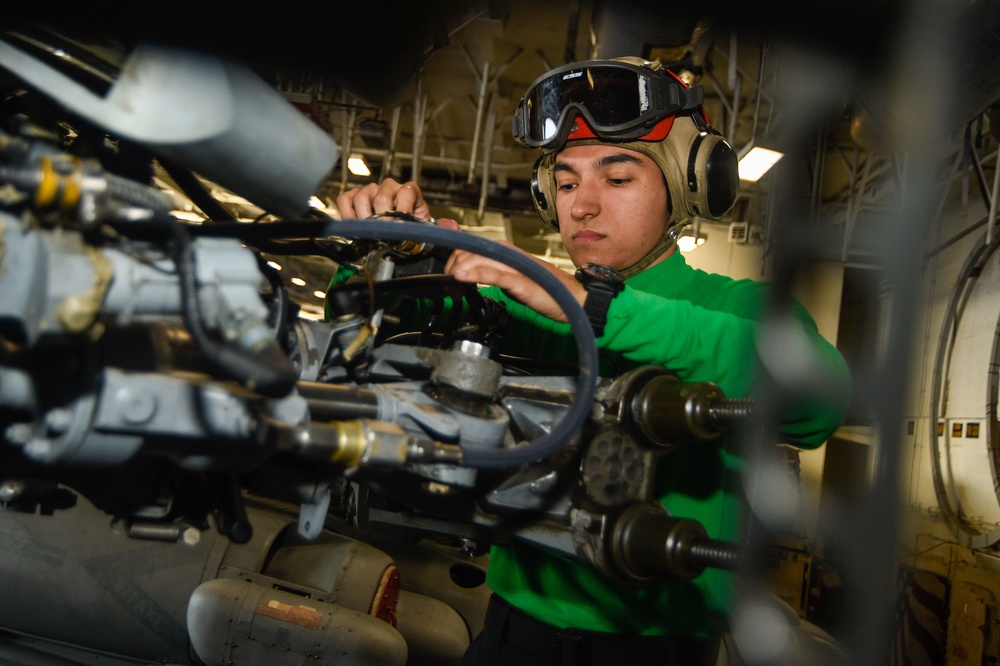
(612, 204)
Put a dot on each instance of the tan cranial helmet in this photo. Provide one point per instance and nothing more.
(640, 106)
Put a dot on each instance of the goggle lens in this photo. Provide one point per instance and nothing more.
(609, 94)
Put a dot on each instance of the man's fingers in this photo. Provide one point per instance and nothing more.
(361, 202)
(377, 198)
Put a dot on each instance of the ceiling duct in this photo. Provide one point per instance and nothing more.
(975, 84)
(643, 28)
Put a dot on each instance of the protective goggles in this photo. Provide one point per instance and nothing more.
(618, 100)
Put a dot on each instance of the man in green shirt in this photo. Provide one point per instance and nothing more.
(628, 159)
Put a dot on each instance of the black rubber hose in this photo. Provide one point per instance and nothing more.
(575, 417)
(266, 370)
(279, 307)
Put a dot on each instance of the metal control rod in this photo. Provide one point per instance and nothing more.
(646, 542)
(664, 410)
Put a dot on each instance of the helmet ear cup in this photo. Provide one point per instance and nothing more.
(542, 194)
(713, 180)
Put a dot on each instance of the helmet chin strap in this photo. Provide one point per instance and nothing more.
(654, 253)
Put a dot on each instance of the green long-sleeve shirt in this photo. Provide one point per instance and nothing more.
(702, 327)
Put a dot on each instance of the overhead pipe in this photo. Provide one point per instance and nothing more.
(484, 185)
(419, 122)
(349, 118)
(477, 130)
(393, 138)
(818, 169)
(854, 201)
(448, 162)
(735, 84)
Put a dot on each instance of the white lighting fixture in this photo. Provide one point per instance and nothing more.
(275, 265)
(756, 162)
(692, 238)
(356, 165)
(687, 242)
(298, 282)
(319, 293)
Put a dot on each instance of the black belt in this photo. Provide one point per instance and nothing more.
(594, 648)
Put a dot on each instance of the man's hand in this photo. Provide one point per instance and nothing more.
(390, 195)
(468, 267)
(378, 198)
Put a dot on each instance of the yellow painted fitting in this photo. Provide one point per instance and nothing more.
(48, 186)
(352, 441)
(58, 189)
(72, 187)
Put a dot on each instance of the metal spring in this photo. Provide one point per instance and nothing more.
(155, 531)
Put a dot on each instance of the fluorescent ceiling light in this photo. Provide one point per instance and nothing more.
(298, 282)
(275, 265)
(356, 165)
(319, 294)
(757, 162)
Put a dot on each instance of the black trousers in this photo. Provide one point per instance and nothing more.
(513, 638)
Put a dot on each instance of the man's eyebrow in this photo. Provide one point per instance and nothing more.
(601, 162)
(616, 158)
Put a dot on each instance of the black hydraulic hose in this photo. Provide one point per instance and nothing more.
(267, 369)
(279, 309)
(586, 385)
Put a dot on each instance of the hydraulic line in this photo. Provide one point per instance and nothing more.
(266, 369)
(57, 183)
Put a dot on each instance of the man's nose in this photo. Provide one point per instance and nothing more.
(586, 202)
